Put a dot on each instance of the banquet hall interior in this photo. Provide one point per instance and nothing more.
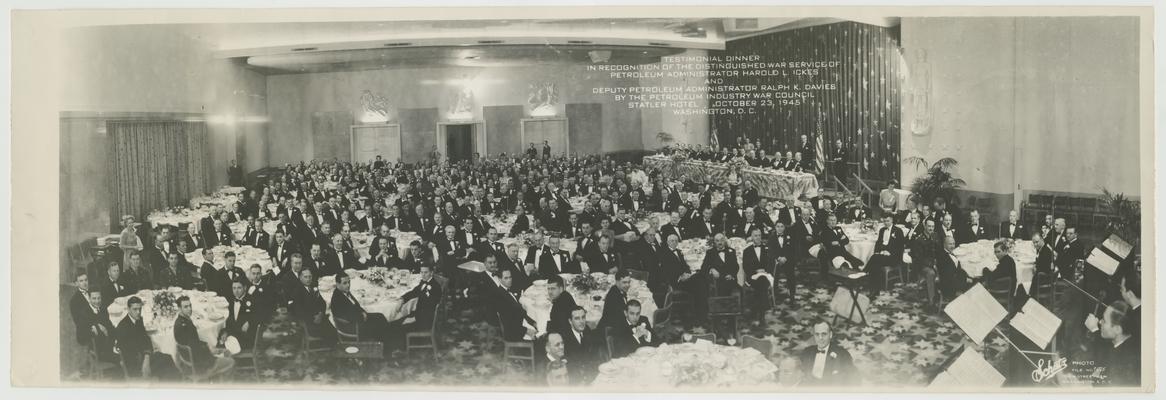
(760, 201)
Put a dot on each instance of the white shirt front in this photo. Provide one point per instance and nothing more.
(820, 364)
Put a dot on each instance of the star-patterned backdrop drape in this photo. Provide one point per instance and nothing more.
(864, 110)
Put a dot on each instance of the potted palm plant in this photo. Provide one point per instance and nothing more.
(1125, 216)
(938, 181)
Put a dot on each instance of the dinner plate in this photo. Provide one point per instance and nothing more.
(351, 350)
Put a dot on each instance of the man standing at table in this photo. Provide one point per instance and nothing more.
(826, 363)
(186, 334)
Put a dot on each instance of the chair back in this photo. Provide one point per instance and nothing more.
(639, 274)
(348, 335)
(720, 306)
(762, 345)
(501, 325)
(436, 314)
(662, 315)
(184, 360)
(712, 337)
(609, 342)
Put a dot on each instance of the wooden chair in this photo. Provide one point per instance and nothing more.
(639, 274)
(900, 277)
(97, 368)
(712, 337)
(662, 317)
(679, 300)
(184, 361)
(1002, 289)
(522, 351)
(759, 344)
(726, 307)
(608, 342)
(345, 336)
(420, 340)
(246, 360)
(314, 345)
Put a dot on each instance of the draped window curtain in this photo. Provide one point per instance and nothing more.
(157, 164)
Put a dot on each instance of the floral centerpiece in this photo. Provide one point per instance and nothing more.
(588, 283)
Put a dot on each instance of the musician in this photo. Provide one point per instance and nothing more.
(1118, 353)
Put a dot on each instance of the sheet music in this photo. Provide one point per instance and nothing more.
(1118, 246)
(1036, 322)
(976, 312)
(1103, 262)
(972, 370)
(944, 379)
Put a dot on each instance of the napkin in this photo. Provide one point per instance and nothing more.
(232, 345)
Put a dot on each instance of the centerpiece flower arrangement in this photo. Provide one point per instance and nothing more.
(586, 283)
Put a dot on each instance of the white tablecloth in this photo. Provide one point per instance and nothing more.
(976, 256)
(245, 256)
(701, 364)
(378, 290)
(862, 241)
(537, 302)
(209, 316)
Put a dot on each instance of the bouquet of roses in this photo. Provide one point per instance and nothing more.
(585, 283)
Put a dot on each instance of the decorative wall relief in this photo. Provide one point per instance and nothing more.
(543, 99)
(374, 108)
(920, 95)
(462, 106)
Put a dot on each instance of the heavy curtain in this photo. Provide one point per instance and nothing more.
(157, 164)
(864, 111)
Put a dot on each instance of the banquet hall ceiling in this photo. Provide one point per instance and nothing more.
(307, 47)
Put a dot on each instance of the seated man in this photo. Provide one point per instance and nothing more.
(550, 363)
(132, 341)
(516, 324)
(826, 363)
(888, 252)
(351, 317)
(306, 305)
(758, 259)
(1005, 273)
(1118, 351)
(561, 305)
(834, 241)
(631, 332)
(428, 295)
(615, 302)
(583, 345)
(720, 265)
(241, 319)
(205, 361)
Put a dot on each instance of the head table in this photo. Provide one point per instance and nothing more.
(537, 302)
(378, 290)
(768, 182)
(209, 316)
(701, 364)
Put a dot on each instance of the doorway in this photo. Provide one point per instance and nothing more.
(459, 141)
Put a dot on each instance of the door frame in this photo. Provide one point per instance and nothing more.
(479, 133)
(352, 138)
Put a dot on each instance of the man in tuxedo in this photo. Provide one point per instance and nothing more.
(561, 305)
(672, 201)
(451, 249)
(307, 306)
(131, 339)
(241, 318)
(84, 311)
(219, 235)
(631, 332)
(720, 265)
(229, 273)
(586, 244)
(705, 227)
(234, 174)
(1117, 350)
(351, 317)
(113, 287)
(888, 252)
(582, 344)
(1012, 229)
(175, 274)
(1056, 236)
(789, 214)
(805, 233)
(386, 257)
(340, 258)
(947, 228)
(137, 276)
(262, 292)
(522, 273)
(551, 366)
(1071, 253)
(972, 231)
(826, 363)
(781, 245)
(192, 238)
(746, 224)
(555, 261)
(758, 261)
(515, 322)
(604, 259)
(952, 277)
(834, 241)
(186, 334)
(417, 257)
(280, 250)
(1005, 272)
(255, 236)
(615, 302)
(428, 295)
(672, 227)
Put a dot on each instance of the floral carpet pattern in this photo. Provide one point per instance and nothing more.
(900, 346)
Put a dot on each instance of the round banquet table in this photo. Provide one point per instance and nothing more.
(245, 256)
(862, 241)
(378, 290)
(209, 316)
(976, 256)
(537, 302)
(702, 364)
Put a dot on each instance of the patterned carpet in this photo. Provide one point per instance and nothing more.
(901, 346)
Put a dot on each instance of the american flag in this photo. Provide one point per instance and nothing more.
(713, 141)
(819, 155)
